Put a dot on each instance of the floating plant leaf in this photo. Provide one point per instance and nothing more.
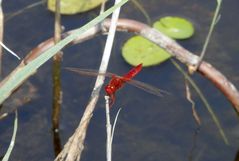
(140, 50)
(74, 6)
(175, 27)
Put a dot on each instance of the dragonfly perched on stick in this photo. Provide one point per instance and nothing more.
(117, 82)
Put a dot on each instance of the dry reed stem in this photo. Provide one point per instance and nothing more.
(108, 130)
(72, 153)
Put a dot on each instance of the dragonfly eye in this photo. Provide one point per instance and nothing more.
(109, 89)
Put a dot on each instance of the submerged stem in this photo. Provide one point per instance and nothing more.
(204, 100)
(56, 80)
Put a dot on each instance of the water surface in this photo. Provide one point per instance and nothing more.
(149, 128)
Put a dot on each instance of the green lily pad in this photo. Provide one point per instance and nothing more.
(140, 50)
(175, 27)
(74, 6)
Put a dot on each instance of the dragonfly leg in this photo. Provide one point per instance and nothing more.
(112, 100)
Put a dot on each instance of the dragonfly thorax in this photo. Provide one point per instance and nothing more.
(109, 89)
(114, 84)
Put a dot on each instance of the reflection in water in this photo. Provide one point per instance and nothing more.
(56, 102)
(194, 144)
(20, 97)
(31, 6)
(237, 156)
(56, 142)
(56, 106)
(199, 144)
(56, 81)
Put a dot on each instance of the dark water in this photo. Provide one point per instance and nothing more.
(149, 127)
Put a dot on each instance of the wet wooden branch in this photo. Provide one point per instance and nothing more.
(185, 56)
(182, 54)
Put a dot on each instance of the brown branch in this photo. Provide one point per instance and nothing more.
(183, 55)
(221, 82)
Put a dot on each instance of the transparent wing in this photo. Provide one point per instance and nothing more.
(144, 86)
(148, 88)
(89, 72)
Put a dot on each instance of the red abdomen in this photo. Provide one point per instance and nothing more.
(133, 72)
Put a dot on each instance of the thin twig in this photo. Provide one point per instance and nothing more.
(9, 50)
(189, 98)
(204, 100)
(142, 10)
(108, 130)
(32, 5)
(113, 129)
(102, 7)
(13, 139)
(213, 23)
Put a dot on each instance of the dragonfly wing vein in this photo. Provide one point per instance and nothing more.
(148, 88)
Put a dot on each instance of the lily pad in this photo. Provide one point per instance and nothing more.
(74, 6)
(140, 50)
(175, 27)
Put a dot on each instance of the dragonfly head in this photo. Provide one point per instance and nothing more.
(110, 90)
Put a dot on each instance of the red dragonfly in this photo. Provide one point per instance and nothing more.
(117, 82)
